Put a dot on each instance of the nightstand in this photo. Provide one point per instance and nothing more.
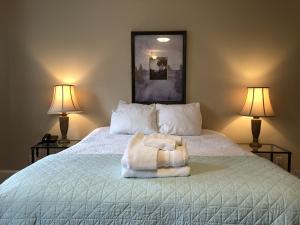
(276, 154)
(48, 147)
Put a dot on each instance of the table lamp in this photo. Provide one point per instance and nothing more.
(257, 105)
(64, 102)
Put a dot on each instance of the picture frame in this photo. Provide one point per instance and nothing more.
(158, 60)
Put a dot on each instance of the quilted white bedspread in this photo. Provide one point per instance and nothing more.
(88, 189)
(83, 185)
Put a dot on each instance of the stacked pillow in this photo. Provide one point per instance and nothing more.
(183, 120)
(133, 118)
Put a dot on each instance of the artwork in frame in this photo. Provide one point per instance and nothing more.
(158, 67)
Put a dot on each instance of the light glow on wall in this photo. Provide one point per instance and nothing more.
(67, 72)
(66, 66)
(253, 66)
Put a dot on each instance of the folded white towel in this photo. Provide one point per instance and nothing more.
(176, 158)
(162, 141)
(163, 172)
(138, 156)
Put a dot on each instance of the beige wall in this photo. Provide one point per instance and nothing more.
(230, 46)
(4, 84)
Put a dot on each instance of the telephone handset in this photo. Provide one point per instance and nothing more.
(48, 138)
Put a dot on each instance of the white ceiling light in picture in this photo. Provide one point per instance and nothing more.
(163, 39)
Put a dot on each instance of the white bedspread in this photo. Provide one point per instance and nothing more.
(209, 143)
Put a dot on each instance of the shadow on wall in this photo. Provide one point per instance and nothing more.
(28, 106)
(285, 82)
(222, 95)
(210, 118)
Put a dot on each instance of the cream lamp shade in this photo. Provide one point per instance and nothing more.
(258, 103)
(64, 100)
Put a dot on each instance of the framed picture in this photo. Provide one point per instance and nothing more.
(158, 67)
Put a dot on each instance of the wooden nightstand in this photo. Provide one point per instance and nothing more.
(48, 147)
(276, 154)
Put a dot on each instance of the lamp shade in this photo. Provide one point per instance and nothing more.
(64, 100)
(258, 103)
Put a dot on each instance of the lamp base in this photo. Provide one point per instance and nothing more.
(64, 126)
(255, 127)
(255, 145)
(63, 142)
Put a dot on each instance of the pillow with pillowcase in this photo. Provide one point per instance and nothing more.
(184, 120)
(123, 105)
(132, 118)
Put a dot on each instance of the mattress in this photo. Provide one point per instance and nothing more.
(87, 188)
(209, 143)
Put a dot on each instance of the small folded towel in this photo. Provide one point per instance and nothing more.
(162, 141)
(138, 156)
(176, 158)
(163, 172)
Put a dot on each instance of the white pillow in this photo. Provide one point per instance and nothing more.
(128, 106)
(130, 118)
(185, 120)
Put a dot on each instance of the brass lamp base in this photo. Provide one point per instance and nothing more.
(255, 127)
(64, 126)
(63, 142)
(255, 145)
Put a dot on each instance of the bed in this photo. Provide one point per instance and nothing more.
(83, 185)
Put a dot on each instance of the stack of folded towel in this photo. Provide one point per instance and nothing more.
(155, 155)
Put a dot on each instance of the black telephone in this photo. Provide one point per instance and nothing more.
(48, 138)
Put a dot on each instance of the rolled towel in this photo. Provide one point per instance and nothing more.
(166, 159)
(176, 158)
(138, 156)
(162, 141)
(163, 172)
